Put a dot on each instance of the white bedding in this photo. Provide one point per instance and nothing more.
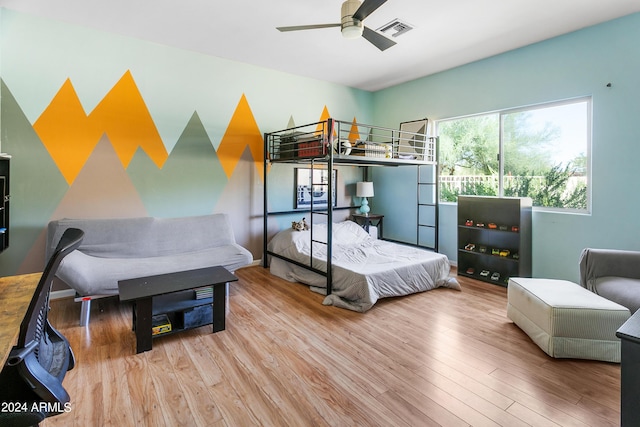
(364, 269)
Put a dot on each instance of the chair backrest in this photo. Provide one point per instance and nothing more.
(35, 319)
(37, 365)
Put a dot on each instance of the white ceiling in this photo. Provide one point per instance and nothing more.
(447, 33)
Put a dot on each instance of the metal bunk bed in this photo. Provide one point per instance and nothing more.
(334, 142)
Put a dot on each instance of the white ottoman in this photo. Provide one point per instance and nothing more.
(566, 320)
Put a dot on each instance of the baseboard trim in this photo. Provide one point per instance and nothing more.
(253, 263)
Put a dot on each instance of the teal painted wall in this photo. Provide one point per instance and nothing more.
(396, 197)
(573, 65)
(193, 101)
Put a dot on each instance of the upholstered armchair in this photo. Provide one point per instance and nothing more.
(613, 274)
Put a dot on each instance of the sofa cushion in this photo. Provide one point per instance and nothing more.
(623, 290)
(90, 275)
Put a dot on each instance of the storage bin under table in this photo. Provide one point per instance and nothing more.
(566, 320)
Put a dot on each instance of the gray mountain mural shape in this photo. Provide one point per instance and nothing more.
(102, 189)
(37, 186)
(191, 180)
(244, 193)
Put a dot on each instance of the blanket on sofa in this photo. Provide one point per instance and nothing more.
(125, 248)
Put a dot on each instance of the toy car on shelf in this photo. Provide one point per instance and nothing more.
(484, 273)
(495, 276)
(495, 251)
(480, 224)
(471, 270)
(515, 256)
(492, 225)
(504, 252)
(503, 227)
(469, 223)
(482, 249)
(515, 228)
(470, 247)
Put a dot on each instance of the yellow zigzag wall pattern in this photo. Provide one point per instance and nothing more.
(70, 135)
(242, 131)
(354, 134)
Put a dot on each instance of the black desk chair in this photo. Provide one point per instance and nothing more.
(31, 379)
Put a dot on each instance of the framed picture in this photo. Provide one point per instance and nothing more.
(312, 187)
(413, 139)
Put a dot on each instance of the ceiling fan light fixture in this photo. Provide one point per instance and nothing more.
(352, 31)
(351, 28)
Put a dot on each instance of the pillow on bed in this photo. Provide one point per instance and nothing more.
(344, 233)
(349, 233)
(287, 238)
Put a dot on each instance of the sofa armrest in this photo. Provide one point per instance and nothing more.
(595, 263)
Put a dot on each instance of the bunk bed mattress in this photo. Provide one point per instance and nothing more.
(364, 269)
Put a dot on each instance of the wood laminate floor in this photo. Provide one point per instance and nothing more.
(441, 357)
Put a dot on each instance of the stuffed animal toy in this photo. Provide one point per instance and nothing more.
(300, 225)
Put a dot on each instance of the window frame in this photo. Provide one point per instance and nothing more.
(588, 100)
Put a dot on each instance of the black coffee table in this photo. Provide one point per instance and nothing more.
(168, 294)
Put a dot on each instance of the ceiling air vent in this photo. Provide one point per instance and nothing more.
(395, 28)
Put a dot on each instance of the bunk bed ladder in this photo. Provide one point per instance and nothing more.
(328, 132)
(427, 196)
(328, 128)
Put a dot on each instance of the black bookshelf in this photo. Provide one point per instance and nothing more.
(494, 238)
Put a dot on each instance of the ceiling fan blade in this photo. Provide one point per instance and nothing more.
(378, 40)
(367, 8)
(307, 27)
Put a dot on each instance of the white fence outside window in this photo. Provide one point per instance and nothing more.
(457, 183)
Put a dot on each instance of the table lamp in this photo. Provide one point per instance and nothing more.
(364, 190)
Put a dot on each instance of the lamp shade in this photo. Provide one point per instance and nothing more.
(364, 189)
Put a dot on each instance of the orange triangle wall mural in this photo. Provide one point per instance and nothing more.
(120, 139)
(241, 132)
(354, 133)
(70, 135)
(124, 117)
(66, 132)
(323, 117)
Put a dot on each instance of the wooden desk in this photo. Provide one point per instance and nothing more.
(16, 293)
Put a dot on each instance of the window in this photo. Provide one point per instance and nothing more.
(540, 152)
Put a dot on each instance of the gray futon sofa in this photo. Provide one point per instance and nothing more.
(127, 248)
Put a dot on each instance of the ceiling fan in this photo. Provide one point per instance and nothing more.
(353, 13)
